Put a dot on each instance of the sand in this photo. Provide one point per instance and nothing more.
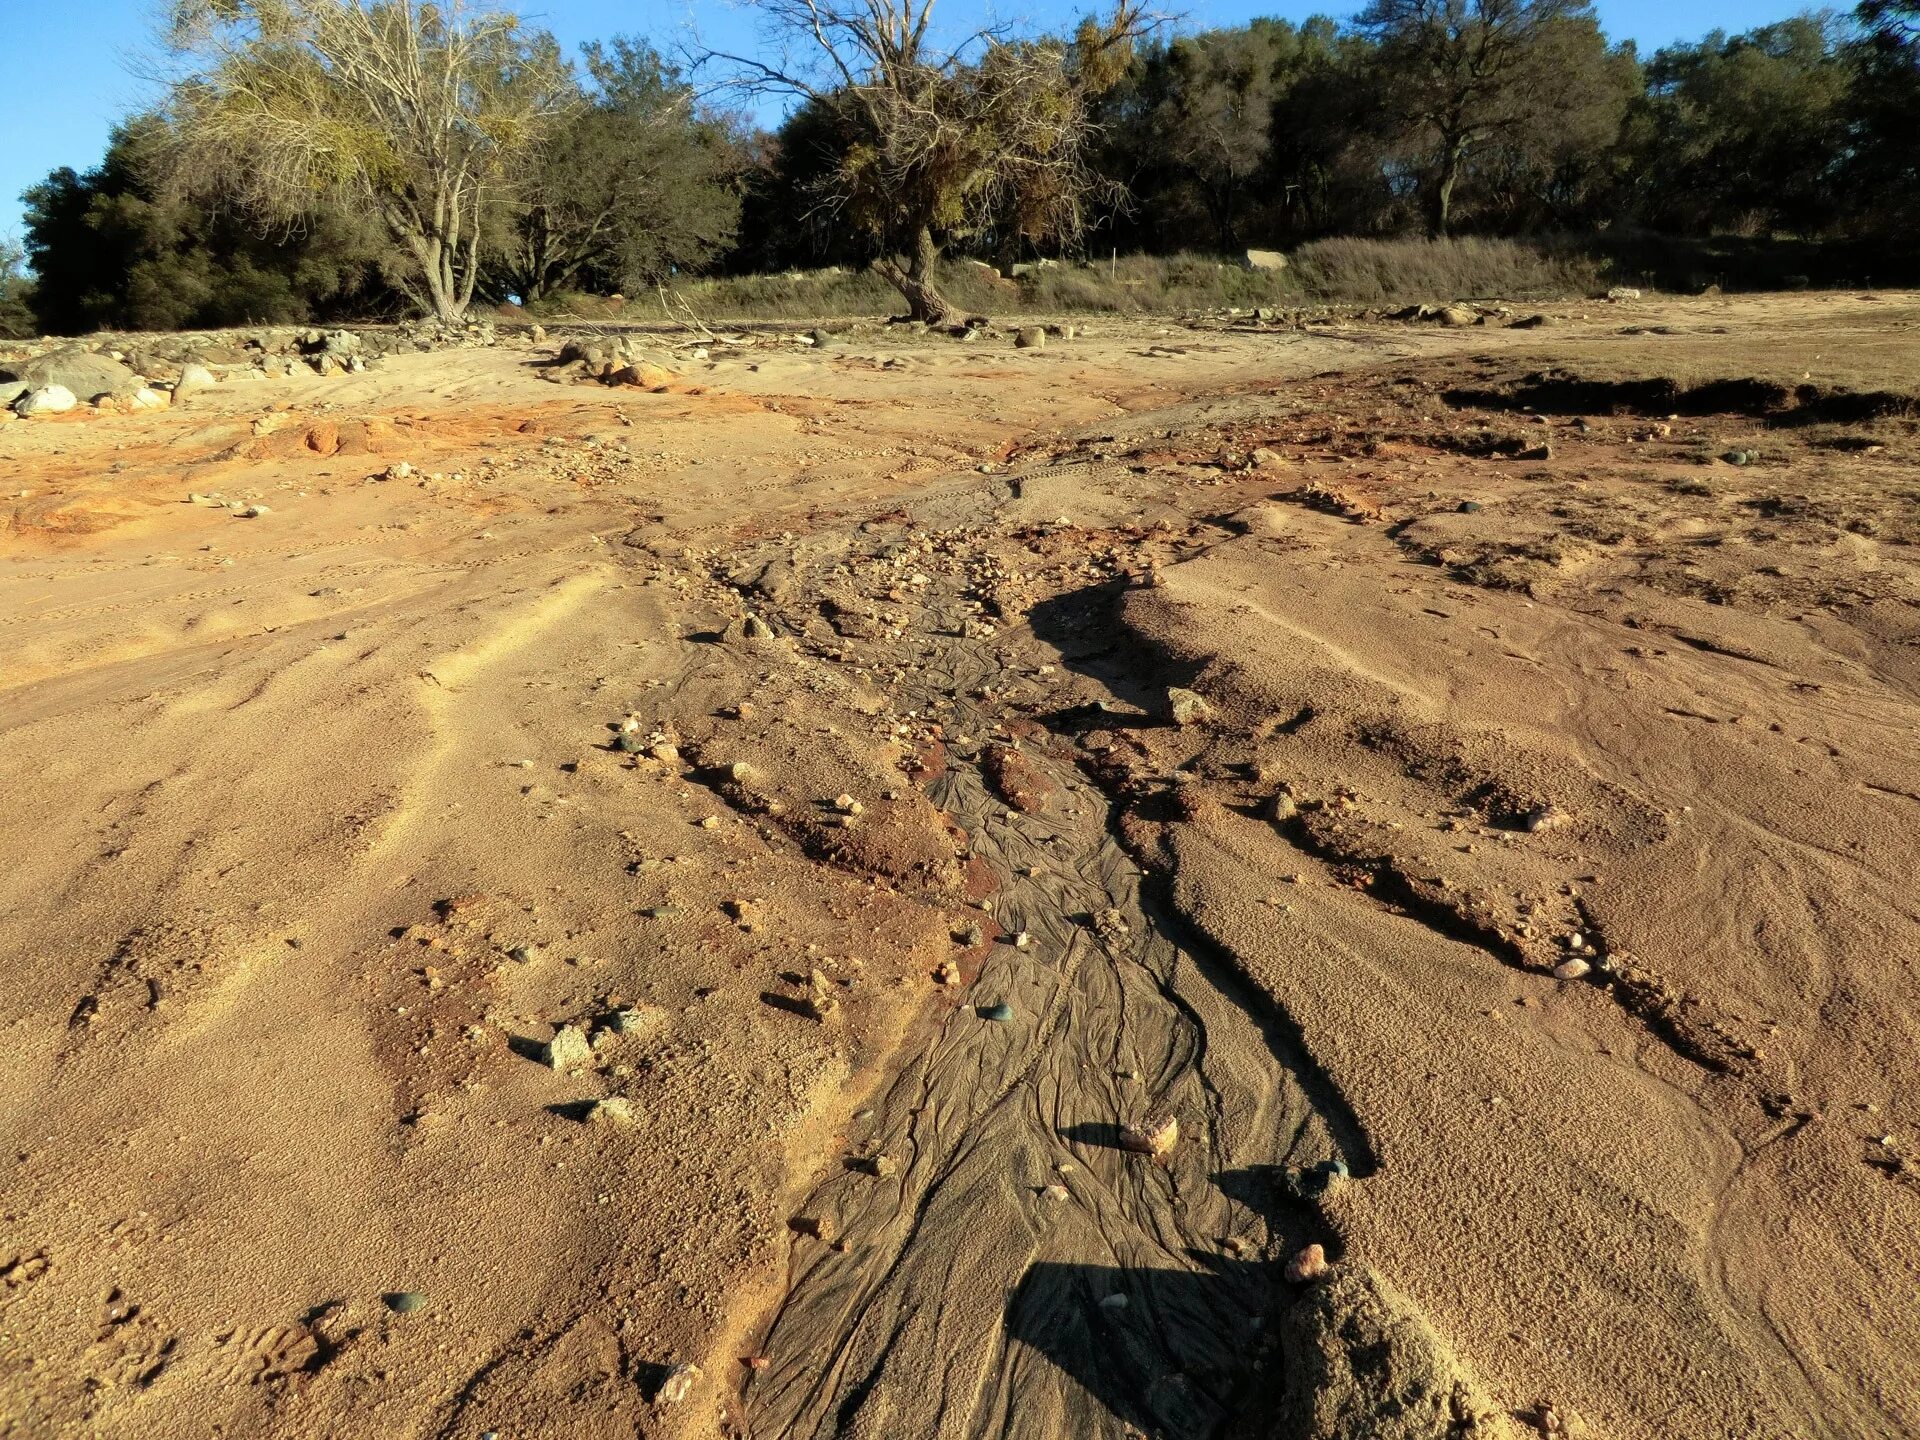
(799, 735)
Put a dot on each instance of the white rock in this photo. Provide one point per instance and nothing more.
(47, 400)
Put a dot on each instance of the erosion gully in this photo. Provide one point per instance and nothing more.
(1014, 1272)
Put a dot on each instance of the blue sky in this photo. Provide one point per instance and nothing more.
(69, 71)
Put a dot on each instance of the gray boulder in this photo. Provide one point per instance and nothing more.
(192, 378)
(83, 372)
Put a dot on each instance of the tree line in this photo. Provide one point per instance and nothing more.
(315, 159)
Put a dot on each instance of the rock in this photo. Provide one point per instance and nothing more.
(1543, 817)
(1623, 292)
(10, 391)
(81, 372)
(1307, 1264)
(645, 374)
(820, 337)
(1187, 707)
(1115, 1301)
(1000, 1012)
(146, 398)
(946, 973)
(636, 1021)
(1318, 1181)
(1265, 459)
(614, 1110)
(1536, 452)
(538, 335)
(882, 1166)
(404, 1302)
(1265, 260)
(1281, 808)
(47, 400)
(1057, 1193)
(568, 1049)
(1532, 322)
(677, 1385)
(1030, 337)
(1458, 316)
(1469, 507)
(1572, 969)
(192, 378)
(1156, 1136)
(821, 1000)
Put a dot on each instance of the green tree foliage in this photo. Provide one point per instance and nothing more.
(417, 113)
(1529, 79)
(114, 248)
(1746, 133)
(16, 293)
(636, 183)
(934, 144)
(1883, 116)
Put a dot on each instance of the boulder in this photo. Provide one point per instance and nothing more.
(83, 372)
(45, 400)
(1458, 316)
(1265, 260)
(192, 378)
(10, 391)
(1031, 337)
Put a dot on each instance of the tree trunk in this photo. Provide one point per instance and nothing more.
(1440, 214)
(915, 280)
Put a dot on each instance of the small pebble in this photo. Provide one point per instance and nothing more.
(404, 1302)
(999, 1011)
(1571, 969)
(1308, 1264)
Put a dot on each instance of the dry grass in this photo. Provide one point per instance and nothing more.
(1403, 272)
(1332, 272)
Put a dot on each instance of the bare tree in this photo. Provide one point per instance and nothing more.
(936, 140)
(1459, 71)
(415, 111)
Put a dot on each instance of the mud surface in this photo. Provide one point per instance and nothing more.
(900, 890)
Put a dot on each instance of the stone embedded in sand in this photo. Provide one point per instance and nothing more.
(1030, 337)
(847, 805)
(1187, 707)
(882, 1166)
(818, 1227)
(47, 400)
(1056, 1193)
(821, 1001)
(1543, 817)
(1571, 969)
(946, 973)
(677, 1385)
(1000, 1012)
(629, 744)
(754, 628)
(635, 1020)
(193, 378)
(1281, 808)
(404, 1302)
(1154, 1136)
(1114, 1302)
(568, 1049)
(614, 1110)
(1309, 1263)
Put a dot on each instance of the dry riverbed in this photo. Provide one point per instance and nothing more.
(901, 888)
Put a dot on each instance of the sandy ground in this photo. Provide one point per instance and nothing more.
(1524, 913)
